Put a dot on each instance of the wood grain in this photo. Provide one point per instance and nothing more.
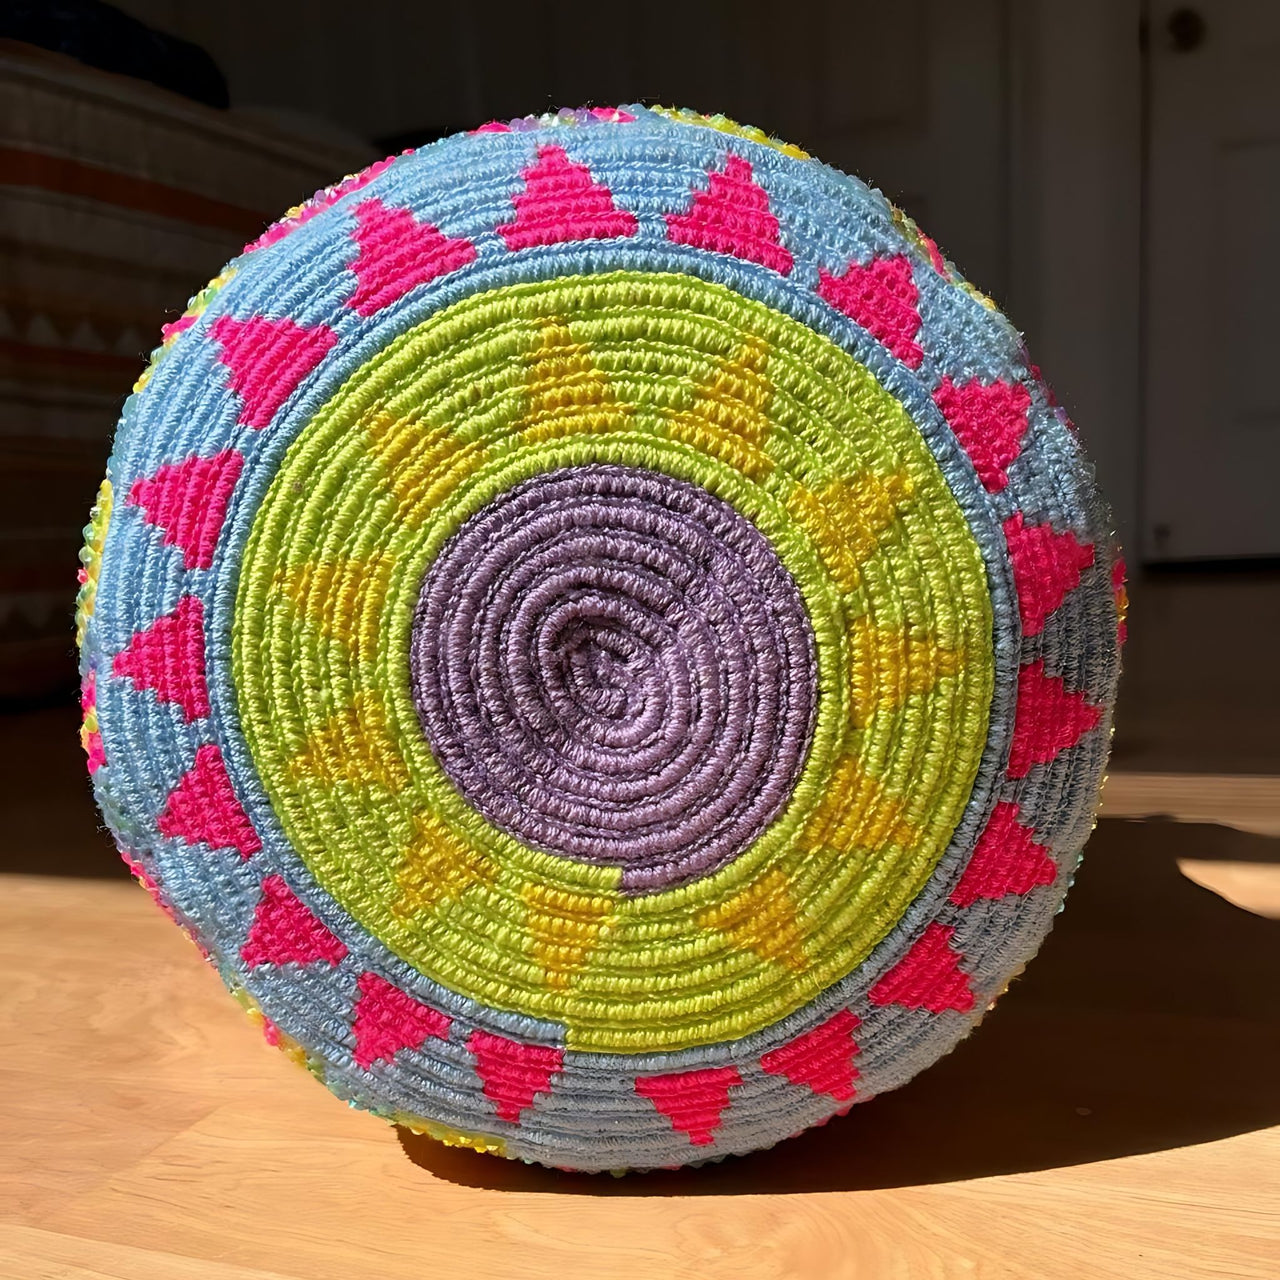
(1248, 802)
(1114, 1117)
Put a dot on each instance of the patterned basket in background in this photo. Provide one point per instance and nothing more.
(603, 638)
(114, 197)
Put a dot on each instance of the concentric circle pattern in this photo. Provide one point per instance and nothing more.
(603, 638)
(613, 665)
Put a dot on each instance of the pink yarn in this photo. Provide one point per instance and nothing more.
(168, 657)
(821, 1058)
(989, 422)
(562, 202)
(1048, 719)
(398, 253)
(188, 500)
(928, 976)
(732, 216)
(203, 809)
(1046, 566)
(388, 1020)
(693, 1101)
(513, 1073)
(284, 930)
(1005, 860)
(267, 359)
(881, 297)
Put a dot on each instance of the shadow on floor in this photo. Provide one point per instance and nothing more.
(1150, 1020)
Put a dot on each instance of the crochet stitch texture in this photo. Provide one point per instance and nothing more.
(604, 639)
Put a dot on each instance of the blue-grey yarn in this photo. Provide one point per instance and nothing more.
(593, 1119)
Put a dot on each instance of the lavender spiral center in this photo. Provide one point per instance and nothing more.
(613, 665)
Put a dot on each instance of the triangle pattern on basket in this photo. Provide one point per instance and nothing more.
(168, 657)
(267, 359)
(693, 1101)
(1005, 860)
(1049, 718)
(398, 253)
(285, 931)
(1046, 567)
(562, 202)
(928, 976)
(760, 917)
(821, 1058)
(388, 1020)
(203, 808)
(881, 298)
(732, 216)
(729, 413)
(188, 501)
(513, 1073)
(989, 421)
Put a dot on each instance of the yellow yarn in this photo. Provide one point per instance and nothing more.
(671, 374)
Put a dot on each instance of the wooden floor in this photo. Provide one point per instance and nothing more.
(1118, 1115)
(1114, 1117)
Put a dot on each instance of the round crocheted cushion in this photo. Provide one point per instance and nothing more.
(603, 638)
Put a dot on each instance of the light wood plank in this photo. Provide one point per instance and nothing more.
(1243, 801)
(1114, 1118)
(32, 1254)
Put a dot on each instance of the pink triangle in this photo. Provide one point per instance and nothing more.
(732, 216)
(397, 253)
(928, 976)
(388, 1020)
(989, 422)
(1005, 860)
(821, 1058)
(267, 359)
(285, 932)
(693, 1101)
(513, 1073)
(1048, 719)
(560, 202)
(1046, 566)
(880, 297)
(169, 658)
(188, 500)
(203, 808)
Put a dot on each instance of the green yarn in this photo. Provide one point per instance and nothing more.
(676, 375)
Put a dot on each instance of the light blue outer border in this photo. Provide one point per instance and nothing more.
(592, 1118)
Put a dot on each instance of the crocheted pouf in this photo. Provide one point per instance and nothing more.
(603, 638)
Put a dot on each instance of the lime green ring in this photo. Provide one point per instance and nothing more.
(340, 479)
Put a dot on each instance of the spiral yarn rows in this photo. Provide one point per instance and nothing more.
(603, 638)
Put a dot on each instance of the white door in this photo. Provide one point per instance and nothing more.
(1212, 433)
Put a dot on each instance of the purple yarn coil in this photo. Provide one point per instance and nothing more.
(613, 665)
